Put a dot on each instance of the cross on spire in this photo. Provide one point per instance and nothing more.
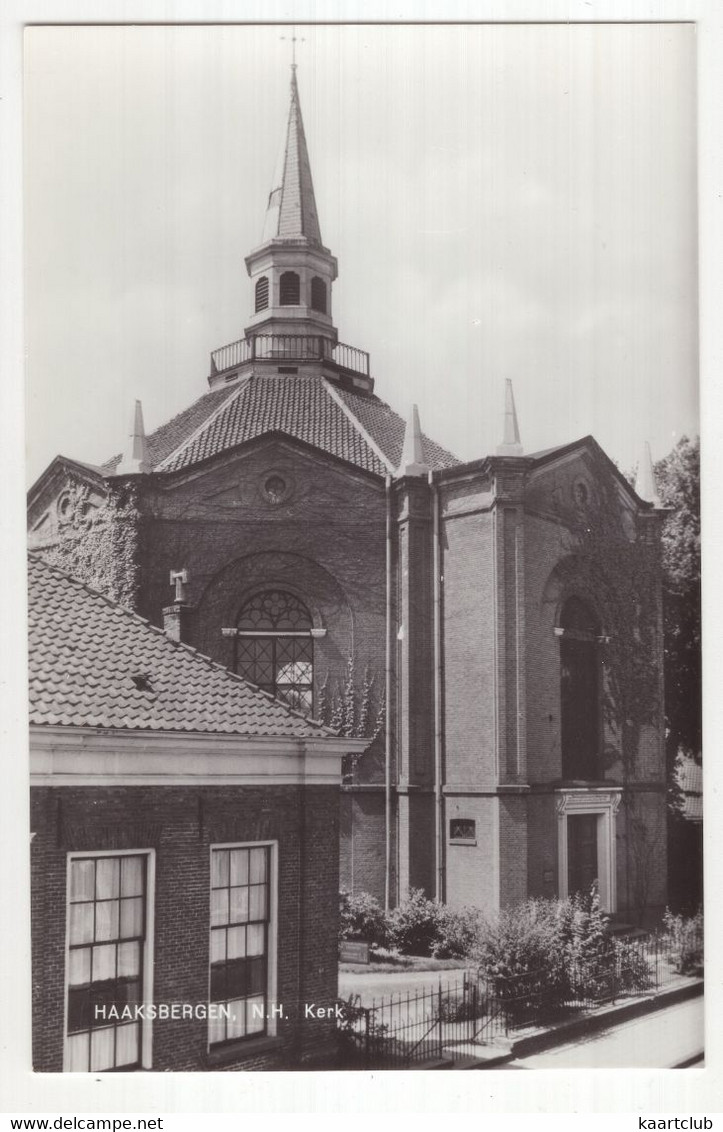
(294, 40)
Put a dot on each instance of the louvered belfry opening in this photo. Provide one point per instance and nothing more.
(318, 295)
(289, 289)
(262, 293)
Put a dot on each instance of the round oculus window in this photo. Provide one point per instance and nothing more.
(64, 507)
(275, 488)
(580, 493)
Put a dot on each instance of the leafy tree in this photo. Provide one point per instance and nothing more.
(678, 480)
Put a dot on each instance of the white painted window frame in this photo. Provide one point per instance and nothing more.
(603, 802)
(272, 974)
(148, 947)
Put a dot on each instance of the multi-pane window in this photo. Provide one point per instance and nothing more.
(240, 927)
(289, 289)
(580, 680)
(262, 293)
(106, 944)
(318, 294)
(275, 649)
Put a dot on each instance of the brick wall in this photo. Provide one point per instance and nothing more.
(547, 546)
(468, 644)
(542, 852)
(642, 850)
(362, 850)
(416, 842)
(512, 849)
(180, 824)
(500, 598)
(544, 550)
(325, 541)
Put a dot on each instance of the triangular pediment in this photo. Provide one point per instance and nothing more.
(564, 476)
(45, 497)
(268, 479)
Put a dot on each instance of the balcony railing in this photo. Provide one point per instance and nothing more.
(289, 348)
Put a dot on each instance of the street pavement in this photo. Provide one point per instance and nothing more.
(376, 985)
(660, 1040)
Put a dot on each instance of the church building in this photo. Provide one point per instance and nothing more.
(491, 629)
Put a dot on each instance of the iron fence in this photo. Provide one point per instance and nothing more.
(447, 1021)
(409, 1030)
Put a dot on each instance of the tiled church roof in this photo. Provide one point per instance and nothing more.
(95, 664)
(387, 429)
(305, 408)
(167, 438)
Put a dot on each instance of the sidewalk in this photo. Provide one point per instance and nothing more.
(663, 1039)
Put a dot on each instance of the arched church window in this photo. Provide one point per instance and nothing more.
(318, 294)
(275, 649)
(289, 291)
(262, 293)
(580, 688)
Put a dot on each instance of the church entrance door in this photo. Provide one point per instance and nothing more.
(582, 863)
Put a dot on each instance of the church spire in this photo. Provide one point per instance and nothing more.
(510, 445)
(135, 459)
(291, 271)
(645, 484)
(291, 211)
(413, 462)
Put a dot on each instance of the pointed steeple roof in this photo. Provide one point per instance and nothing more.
(134, 460)
(645, 485)
(413, 462)
(510, 445)
(291, 211)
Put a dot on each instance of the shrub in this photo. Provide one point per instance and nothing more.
(684, 937)
(544, 953)
(631, 967)
(521, 954)
(457, 932)
(590, 955)
(464, 1007)
(361, 914)
(413, 924)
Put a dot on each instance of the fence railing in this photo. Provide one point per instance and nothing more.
(445, 1021)
(289, 348)
(407, 1030)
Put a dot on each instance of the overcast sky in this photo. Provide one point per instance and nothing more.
(504, 201)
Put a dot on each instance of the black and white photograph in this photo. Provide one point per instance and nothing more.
(363, 547)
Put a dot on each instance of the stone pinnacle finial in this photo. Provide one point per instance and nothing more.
(134, 460)
(510, 445)
(645, 485)
(412, 462)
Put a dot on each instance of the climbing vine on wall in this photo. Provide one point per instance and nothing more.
(613, 560)
(351, 707)
(99, 544)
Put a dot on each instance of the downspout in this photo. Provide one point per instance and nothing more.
(437, 631)
(388, 711)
